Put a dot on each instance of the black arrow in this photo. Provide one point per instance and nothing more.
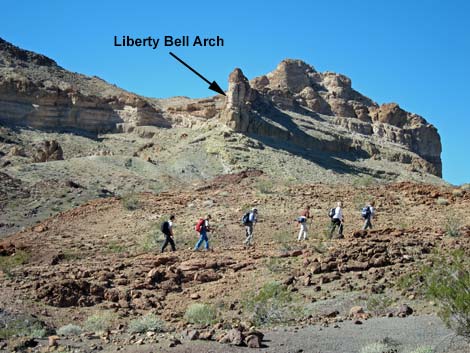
(212, 85)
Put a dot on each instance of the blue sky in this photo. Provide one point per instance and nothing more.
(415, 53)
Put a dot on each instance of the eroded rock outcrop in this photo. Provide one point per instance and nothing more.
(336, 118)
(36, 92)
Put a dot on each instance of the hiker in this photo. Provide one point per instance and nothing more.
(203, 227)
(249, 220)
(167, 230)
(302, 220)
(337, 220)
(367, 214)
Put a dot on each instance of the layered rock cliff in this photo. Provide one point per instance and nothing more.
(36, 92)
(322, 111)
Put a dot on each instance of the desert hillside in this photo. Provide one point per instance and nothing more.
(89, 171)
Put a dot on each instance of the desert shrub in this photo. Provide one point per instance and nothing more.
(115, 247)
(457, 193)
(265, 186)
(130, 202)
(452, 225)
(379, 304)
(442, 201)
(274, 265)
(377, 347)
(149, 322)
(448, 282)
(203, 314)
(364, 181)
(100, 322)
(283, 239)
(422, 349)
(22, 327)
(69, 330)
(8, 263)
(465, 186)
(270, 305)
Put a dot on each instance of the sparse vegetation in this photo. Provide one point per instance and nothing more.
(202, 314)
(130, 202)
(452, 225)
(115, 247)
(100, 322)
(271, 304)
(8, 263)
(149, 322)
(265, 186)
(457, 193)
(422, 349)
(364, 181)
(69, 330)
(22, 327)
(274, 265)
(448, 282)
(284, 239)
(379, 304)
(377, 347)
(442, 201)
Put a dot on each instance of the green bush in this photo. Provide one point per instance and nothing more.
(100, 322)
(22, 327)
(69, 330)
(448, 282)
(8, 263)
(452, 225)
(202, 314)
(271, 304)
(149, 322)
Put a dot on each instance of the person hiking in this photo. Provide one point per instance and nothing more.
(167, 230)
(203, 227)
(302, 220)
(337, 220)
(249, 220)
(367, 214)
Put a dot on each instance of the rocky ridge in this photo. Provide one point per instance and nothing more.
(294, 108)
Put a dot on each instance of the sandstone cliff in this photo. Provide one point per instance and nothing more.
(36, 92)
(321, 111)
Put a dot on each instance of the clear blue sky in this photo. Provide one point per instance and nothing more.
(416, 53)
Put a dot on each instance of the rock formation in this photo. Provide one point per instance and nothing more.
(48, 151)
(36, 92)
(267, 105)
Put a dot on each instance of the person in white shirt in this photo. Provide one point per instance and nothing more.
(302, 220)
(337, 221)
(252, 219)
(368, 213)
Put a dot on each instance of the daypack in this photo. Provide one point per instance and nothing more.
(165, 227)
(302, 219)
(199, 225)
(331, 212)
(246, 218)
(366, 212)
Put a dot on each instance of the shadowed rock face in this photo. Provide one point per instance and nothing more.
(329, 102)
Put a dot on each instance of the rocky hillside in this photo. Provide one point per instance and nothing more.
(36, 92)
(294, 108)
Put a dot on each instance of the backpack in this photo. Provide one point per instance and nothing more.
(246, 218)
(302, 219)
(165, 227)
(331, 212)
(366, 212)
(199, 225)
